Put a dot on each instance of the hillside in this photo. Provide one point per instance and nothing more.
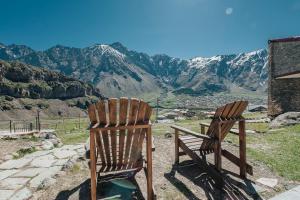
(24, 89)
(117, 71)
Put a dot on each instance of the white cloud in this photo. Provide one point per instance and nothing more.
(228, 11)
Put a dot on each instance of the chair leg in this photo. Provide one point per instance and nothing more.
(93, 166)
(176, 147)
(149, 165)
(217, 150)
(242, 141)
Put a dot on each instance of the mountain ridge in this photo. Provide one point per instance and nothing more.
(118, 71)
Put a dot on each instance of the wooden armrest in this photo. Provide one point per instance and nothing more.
(187, 131)
(204, 124)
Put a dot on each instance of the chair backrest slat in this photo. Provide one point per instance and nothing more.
(120, 148)
(229, 111)
(122, 122)
(104, 134)
(112, 113)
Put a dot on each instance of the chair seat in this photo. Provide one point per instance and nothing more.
(194, 143)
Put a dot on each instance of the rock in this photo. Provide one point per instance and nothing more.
(6, 173)
(22, 194)
(13, 183)
(5, 194)
(61, 162)
(43, 161)
(271, 182)
(8, 157)
(31, 172)
(61, 153)
(47, 145)
(286, 119)
(54, 142)
(168, 135)
(37, 181)
(46, 183)
(68, 165)
(37, 154)
(15, 164)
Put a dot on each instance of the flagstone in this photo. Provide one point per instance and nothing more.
(30, 172)
(22, 194)
(15, 164)
(6, 173)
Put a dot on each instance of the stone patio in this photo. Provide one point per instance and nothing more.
(20, 178)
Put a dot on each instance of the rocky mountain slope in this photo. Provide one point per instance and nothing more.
(117, 71)
(24, 81)
(24, 89)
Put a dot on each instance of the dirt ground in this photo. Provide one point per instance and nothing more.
(184, 181)
(7, 147)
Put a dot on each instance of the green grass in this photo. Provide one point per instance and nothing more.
(281, 151)
(22, 152)
(69, 130)
(277, 149)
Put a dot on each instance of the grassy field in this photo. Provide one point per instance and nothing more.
(278, 149)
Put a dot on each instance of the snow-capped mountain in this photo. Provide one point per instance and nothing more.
(117, 71)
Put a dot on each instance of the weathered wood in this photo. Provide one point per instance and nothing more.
(236, 161)
(112, 110)
(138, 136)
(120, 139)
(202, 129)
(242, 141)
(133, 110)
(93, 166)
(176, 147)
(203, 165)
(103, 120)
(185, 130)
(149, 165)
(218, 157)
(224, 119)
(122, 122)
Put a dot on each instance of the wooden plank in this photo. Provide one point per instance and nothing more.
(176, 147)
(102, 120)
(115, 128)
(122, 122)
(236, 161)
(112, 110)
(217, 150)
(92, 114)
(226, 127)
(203, 165)
(133, 109)
(242, 141)
(93, 166)
(139, 135)
(187, 131)
(150, 192)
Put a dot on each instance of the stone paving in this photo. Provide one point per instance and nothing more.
(292, 194)
(20, 178)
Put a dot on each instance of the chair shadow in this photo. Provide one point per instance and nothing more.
(104, 190)
(234, 188)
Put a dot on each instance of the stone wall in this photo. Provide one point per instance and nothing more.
(283, 93)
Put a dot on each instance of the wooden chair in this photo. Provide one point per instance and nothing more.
(117, 132)
(197, 146)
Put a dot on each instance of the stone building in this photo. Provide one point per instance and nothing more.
(284, 76)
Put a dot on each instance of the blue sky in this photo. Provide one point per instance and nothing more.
(181, 28)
